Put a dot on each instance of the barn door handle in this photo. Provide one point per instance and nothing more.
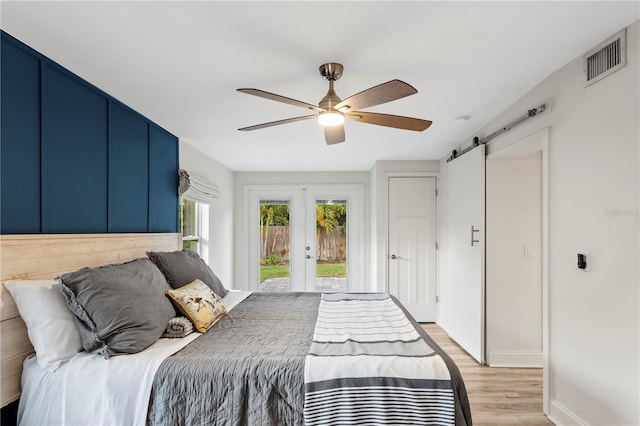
(473, 231)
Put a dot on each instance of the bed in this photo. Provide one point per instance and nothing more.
(250, 368)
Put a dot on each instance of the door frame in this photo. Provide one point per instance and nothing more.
(299, 196)
(536, 142)
(382, 271)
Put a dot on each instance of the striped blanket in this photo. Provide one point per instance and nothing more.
(368, 365)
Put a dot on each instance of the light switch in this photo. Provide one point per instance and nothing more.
(583, 261)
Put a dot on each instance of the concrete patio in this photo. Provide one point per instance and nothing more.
(323, 284)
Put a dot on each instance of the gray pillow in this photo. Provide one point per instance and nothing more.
(119, 309)
(182, 267)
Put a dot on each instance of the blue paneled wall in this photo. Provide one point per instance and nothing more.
(76, 160)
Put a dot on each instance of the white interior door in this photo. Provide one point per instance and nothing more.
(462, 296)
(412, 245)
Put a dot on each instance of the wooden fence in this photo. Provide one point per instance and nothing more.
(331, 248)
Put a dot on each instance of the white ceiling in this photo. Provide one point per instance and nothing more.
(179, 64)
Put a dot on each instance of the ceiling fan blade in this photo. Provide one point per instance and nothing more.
(334, 134)
(376, 95)
(284, 99)
(276, 123)
(396, 121)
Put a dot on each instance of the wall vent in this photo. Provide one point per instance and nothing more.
(605, 59)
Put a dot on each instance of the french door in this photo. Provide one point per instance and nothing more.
(306, 238)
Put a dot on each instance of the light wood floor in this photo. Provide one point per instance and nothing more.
(498, 396)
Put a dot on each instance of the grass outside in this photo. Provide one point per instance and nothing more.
(273, 271)
(331, 269)
(322, 270)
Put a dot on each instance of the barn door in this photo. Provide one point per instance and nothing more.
(463, 293)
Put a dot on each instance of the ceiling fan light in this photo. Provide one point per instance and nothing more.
(332, 118)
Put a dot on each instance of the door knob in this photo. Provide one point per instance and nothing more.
(393, 256)
(308, 256)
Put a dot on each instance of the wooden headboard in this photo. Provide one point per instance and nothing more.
(45, 256)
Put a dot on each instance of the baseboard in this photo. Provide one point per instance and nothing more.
(562, 416)
(516, 359)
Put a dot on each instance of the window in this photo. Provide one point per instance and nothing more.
(190, 223)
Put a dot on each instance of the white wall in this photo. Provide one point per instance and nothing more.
(242, 179)
(218, 243)
(380, 174)
(594, 317)
(514, 262)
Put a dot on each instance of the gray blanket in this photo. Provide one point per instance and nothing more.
(249, 368)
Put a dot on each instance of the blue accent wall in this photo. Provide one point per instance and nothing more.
(74, 157)
(20, 140)
(76, 160)
(128, 171)
(163, 166)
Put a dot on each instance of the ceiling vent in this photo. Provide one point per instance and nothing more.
(605, 59)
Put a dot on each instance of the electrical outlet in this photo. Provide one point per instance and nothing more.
(583, 260)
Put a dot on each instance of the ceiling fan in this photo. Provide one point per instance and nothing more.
(332, 111)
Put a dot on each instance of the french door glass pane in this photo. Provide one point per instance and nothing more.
(331, 245)
(275, 242)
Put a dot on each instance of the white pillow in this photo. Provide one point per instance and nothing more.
(50, 324)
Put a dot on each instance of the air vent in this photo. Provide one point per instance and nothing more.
(605, 59)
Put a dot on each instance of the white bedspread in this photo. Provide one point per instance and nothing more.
(91, 390)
